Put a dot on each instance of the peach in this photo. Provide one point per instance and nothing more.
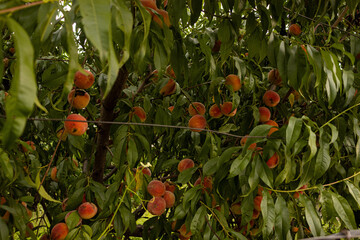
(215, 111)
(265, 114)
(74, 127)
(156, 188)
(169, 198)
(149, 4)
(28, 211)
(6, 216)
(272, 130)
(297, 194)
(30, 226)
(257, 203)
(295, 29)
(271, 98)
(273, 161)
(59, 231)
(294, 229)
(146, 171)
(256, 214)
(82, 80)
(165, 17)
(243, 142)
(184, 232)
(216, 47)
(261, 189)
(156, 206)
(2, 201)
(45, 237)
(78, 99)
(31, 144)
(185, 164)
(53, 174)
(206, 182)
(68, 215)
(236, 208)
(274, 77)
(197, 121)
(226, 108)
(62, 134)
(170, 71)
(170, 187)
(234, 81)
(87, 210)
(171, 108)
(196, 108)
(140, 112)
(169, 88)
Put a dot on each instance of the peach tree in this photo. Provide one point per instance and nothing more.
(151, 119)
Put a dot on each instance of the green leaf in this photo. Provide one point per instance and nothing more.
(96, 20)
(4, 230)
(261, 130)
(186, 175)
(124, 21)
(23, 87)
(343, 210)
(198, 220)
(312, 142)
(281, 60)
(292, 68)
(282, 219)
(293, 131)
(73, 220)
(132, 153)
(354, 191)
(5, 165)
(268, 213)
(323, 158)
(312, 217)
(239, 164)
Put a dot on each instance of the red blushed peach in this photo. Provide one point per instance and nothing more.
(165, 17)
(215, 111)
(169, 198)
(261, 189)
(243, 142)
(84, 81)
(169, 88)
(53, 174)
(265, 114)
(274, 77)
(170, 72)
(197, 121)
(207, 182)
(295, 29)
(271, 98)
(31, 144)
(185, 164)
(156, 206)
(87, 210)
(226, 108)
(196, 108)
(273, 161)
(256, 214)
(171, 108)
(170, 187)
(140, 112)
(216, 47)
(184, 232)
(272, 130)
(78, 99)
(236, 208)
(156, 188)
(62, 134)
(45, 237)
(234, 81)
(68, 215)
(149, 5)
(74, 127)
(59, 231)
(297, 194)
(294, 229)
(257, 203)
(146, 171)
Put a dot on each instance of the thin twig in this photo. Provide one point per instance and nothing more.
(13, 9)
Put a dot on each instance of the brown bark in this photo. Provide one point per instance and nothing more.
(107, 114)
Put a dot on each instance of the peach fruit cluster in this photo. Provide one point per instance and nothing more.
(163, 197)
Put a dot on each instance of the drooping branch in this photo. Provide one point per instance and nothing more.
(107, 114)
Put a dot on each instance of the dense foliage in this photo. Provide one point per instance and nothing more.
(296, 175)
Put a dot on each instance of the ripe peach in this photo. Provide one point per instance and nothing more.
(260, 190)
(197, 121)
(53, 174)
(236, 208)
(156, 188)
(215, 111)
(45, 237)
(31, 144)
(243, 141)
(184, 232)
(171, 108)
(295, 29)
(257, 203)
(169, 198)
(265, 114)
(185, 164)
(216, 47)
(273, 161)
(149, 4)
(156, 206)
(84, 81)
(207, 182)
(140, 112)
(146, 171)
(78, 99)
(76, 128)
(170, 71)
(170, 187)
(59, 231)
(272, 123)
(226, 108)
(196, 108)
(28, 211)
(274, 77)
(87, 210)
(297, 194)
(169, 88)
(68, 215)
(294, 229)
(31, 226)
(165, 17)
(256, 214)
(6, 216)
(63, 134)
(271, 98)
(234, 81)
